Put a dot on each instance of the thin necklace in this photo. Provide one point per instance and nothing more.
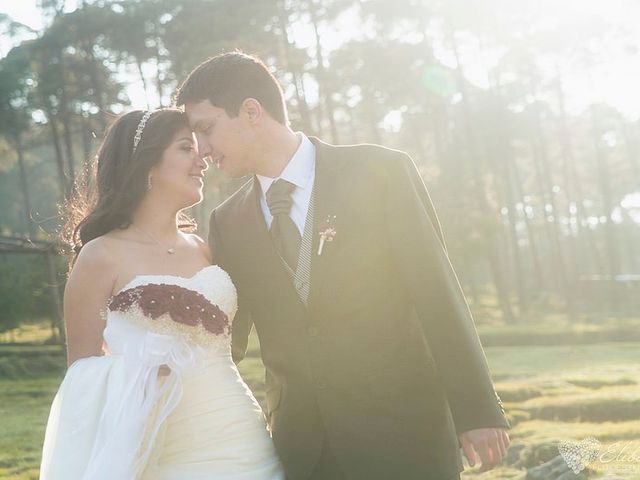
(170, 250)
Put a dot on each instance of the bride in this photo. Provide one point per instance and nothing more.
(151, 391)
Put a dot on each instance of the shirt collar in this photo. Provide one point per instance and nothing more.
(300, 168)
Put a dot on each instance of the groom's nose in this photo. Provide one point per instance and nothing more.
(204, 149)
(204, 159)
(203, 162)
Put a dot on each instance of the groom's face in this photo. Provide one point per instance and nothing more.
(226, 140)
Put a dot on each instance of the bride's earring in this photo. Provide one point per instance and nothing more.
(149, 184)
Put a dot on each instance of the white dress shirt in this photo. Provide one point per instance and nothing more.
(301, 172)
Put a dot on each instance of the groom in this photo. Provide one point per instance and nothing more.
(374, 367)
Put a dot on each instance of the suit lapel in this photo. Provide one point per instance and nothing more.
(327, 201)
(260, 247)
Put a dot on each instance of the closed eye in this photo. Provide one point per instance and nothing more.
(186, 143)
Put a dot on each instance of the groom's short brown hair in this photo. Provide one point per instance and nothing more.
(228, 79)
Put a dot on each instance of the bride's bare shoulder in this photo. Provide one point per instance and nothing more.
(98, 256)
(201, 244)
(91, 281)
(96, 250)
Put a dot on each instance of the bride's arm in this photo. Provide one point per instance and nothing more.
(88, 289)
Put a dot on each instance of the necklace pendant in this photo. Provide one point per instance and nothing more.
(171, 251)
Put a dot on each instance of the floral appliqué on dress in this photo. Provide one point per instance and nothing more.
(184, 306)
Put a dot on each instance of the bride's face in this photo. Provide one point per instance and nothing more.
(180, 173)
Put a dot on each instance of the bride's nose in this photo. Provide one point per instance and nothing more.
(202, 163)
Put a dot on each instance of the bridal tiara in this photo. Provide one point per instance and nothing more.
(138, 135)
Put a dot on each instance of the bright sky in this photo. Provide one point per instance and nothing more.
(23, 11)
(614, 79)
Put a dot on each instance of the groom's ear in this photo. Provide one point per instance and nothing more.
(251, 110)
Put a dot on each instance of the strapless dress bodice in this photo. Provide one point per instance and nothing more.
(191, 316)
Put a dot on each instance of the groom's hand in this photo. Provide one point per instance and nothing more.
(490, 444)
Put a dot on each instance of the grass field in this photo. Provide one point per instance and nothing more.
(552, 393)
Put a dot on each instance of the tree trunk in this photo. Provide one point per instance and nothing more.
(632, 151)
(613, 259)
(533, 244)
(369, 107)
(86, 139)
(324, 93)
(159, 75)
(24, 184)
(68, 143)
(554, 232)
(98, 91)
(55, 136)
(303, 108)
(57, 318)
(144, 82)
(522, 292)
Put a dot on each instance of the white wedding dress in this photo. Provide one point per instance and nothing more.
(113, 418)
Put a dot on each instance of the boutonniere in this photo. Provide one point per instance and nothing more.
(328, 232)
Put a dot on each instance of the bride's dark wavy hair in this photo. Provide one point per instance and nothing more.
(119, 177)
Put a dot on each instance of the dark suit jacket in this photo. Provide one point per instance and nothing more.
(386, 359)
